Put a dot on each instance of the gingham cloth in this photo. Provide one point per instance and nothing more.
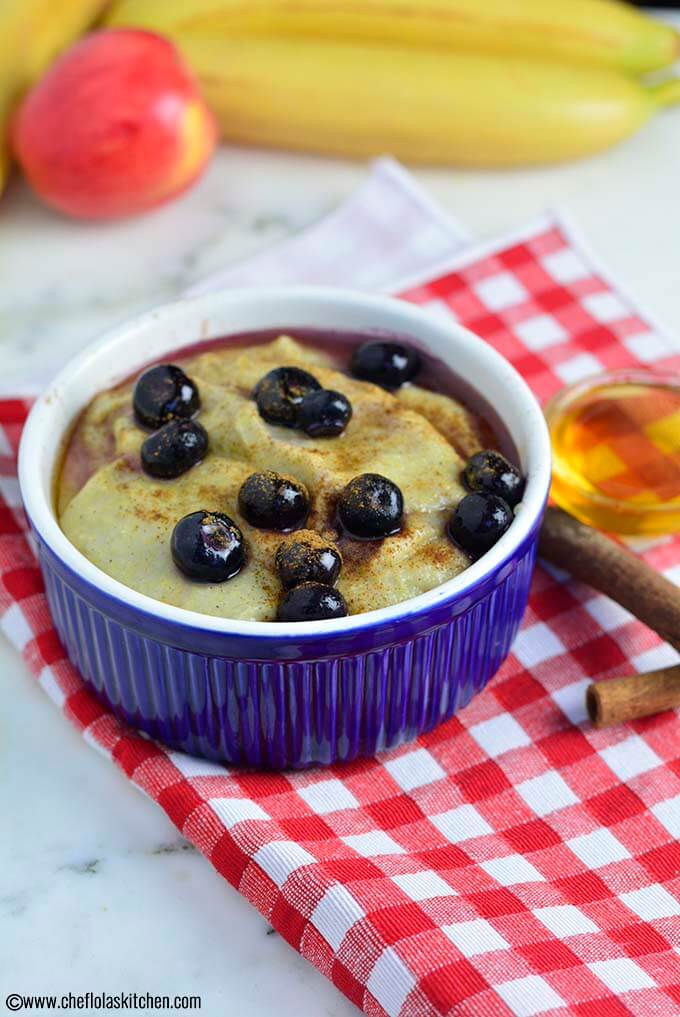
(513, 861)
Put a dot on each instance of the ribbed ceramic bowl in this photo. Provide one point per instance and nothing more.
(272, 694)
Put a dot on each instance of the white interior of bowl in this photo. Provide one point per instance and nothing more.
(158, 333)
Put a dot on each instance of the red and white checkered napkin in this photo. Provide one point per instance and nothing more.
(513, 861)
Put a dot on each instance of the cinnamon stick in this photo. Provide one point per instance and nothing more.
(621, 699)
(595, 559)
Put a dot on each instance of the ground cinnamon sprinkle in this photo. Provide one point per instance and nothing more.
(419, 551)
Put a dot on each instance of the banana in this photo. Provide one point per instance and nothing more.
(424, 107)
(32, 33)
(37, 30)
(600, 32)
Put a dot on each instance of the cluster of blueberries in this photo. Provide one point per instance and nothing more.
(482, 517)
(308, 567)
(291, 397)
(209, 546)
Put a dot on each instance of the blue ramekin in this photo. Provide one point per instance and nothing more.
(275, 695)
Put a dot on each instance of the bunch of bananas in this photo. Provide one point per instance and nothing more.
(466, 82)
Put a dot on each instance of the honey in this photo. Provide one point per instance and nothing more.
(616, 452)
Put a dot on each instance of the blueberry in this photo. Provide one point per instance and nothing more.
(311, 602)
(164, 393)
(272, 501)
(208, 546)
(307, 558)
(174, 449)
(386, 364)
(490, 473)
(279, 394)
(324, 414)
(371, 506)
(479, 521)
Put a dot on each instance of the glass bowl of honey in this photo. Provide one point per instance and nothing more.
(616, 451)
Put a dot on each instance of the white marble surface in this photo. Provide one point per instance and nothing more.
(97, 890)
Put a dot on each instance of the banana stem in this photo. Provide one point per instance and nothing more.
(666, 94)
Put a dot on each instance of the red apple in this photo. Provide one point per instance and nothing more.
(116, 126)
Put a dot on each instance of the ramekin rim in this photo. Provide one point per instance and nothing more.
(43, 518)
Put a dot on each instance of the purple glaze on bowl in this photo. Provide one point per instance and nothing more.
(305, 702)
(269, 694)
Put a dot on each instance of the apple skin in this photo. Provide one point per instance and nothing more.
(115, 127)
